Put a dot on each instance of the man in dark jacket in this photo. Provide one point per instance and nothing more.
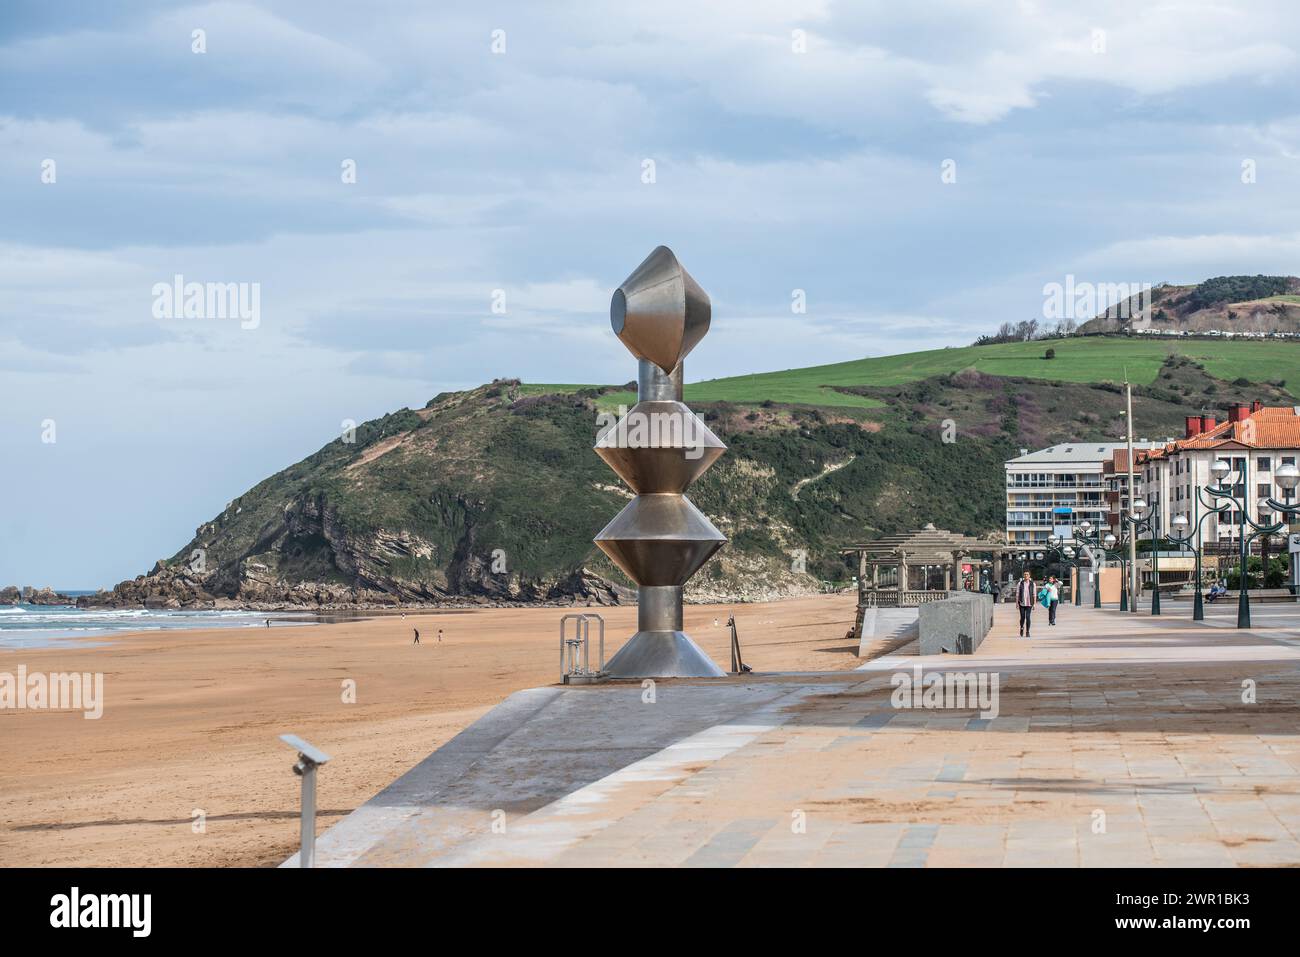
(1026, 595)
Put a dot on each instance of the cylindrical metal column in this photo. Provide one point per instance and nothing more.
(659, 608)
(655, 385)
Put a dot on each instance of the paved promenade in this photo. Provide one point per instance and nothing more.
(1118, 739)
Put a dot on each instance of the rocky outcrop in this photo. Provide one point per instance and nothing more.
(12, 595)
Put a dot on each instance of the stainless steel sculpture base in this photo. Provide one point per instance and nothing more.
(662, 654)
(660, 649)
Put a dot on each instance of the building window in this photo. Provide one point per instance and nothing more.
(1265, 490)
(1264, 463)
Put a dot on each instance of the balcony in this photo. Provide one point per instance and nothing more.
(1015, 484)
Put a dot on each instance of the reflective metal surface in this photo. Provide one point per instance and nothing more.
(660, 539)
(662, 654)
(653, 384)
(660, 312)
(659, 448)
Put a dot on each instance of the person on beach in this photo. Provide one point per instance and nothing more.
(268, 623)
(439, 636)
(1025, 596)
(417, 636)
(1053, 599)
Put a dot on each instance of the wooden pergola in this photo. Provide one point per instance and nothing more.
(925, 548)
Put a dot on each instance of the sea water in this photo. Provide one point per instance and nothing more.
(38, 626)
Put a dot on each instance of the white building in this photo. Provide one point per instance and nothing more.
(1255, 440)
(1052, 490)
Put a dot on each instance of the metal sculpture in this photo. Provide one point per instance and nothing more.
(659, 448)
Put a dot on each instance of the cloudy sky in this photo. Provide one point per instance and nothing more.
(508, 147)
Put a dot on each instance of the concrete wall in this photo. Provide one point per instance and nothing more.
(885, 629)
(946, 625)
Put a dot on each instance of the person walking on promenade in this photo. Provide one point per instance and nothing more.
(417, 636)
(1026, 594)
(1053, 599)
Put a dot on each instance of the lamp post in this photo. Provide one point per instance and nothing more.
(1065, 555)
(1192, 538)
(1022, 560)
(1144, 516)
(1108, 549)
(1082, 540)
(1120, 548)
(1287, 477)
(1088, 537)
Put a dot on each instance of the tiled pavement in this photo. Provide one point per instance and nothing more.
(1118, 740)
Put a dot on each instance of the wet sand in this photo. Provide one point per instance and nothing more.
(191, 720)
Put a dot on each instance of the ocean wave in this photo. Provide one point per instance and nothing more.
(69, 620)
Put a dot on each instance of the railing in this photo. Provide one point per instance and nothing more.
(575, 651)
(889, 599)
(1091, 485)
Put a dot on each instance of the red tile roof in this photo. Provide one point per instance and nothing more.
(1272, 427)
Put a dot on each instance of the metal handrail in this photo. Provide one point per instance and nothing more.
(579, 646)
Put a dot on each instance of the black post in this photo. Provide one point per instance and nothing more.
(1198, 609)
(1243, 598)
(1155, 561)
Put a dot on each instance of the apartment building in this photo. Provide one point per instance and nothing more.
(1255, 440)
(1054, 489)
(1115, 475)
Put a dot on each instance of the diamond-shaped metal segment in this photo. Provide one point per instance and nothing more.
(659, 446)
(659, 311)
(660, 539)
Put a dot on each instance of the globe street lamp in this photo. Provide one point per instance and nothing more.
(1189, 535)
(1089, 538)
(1082, 541)
(1123, 570)
(1065, 556)
(1287, 477)
(1144, 516)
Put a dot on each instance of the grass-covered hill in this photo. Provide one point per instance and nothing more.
(1078, 360)
(495, 493)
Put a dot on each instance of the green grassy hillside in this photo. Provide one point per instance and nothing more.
(495, 492)
(1091, 359)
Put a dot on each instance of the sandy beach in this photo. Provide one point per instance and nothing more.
(191, 720)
